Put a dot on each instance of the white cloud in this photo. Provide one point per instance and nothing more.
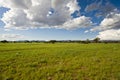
(73, 5)
(109, 34)
(112, 21)
(109, 27)
(81, 22)
(102, 10)
(11, 37)
(25, 14)
(86, 31)
(22, 4)
(92, 7)
(15, 18)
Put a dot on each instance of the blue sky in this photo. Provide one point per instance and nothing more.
(59, 20)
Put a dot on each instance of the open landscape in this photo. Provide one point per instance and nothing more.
(59, 39)
(59, 61)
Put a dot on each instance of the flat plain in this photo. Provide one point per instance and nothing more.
(59, 61)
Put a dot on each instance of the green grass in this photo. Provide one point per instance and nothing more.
(60, 61)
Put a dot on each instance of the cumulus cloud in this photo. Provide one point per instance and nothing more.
(25, 14)
(102, 10)
(110, 34)
(109, 27)
(81, 21)
(91, 7)
(22, 4)
(112, 21)
(15, 18)
(73, 6)
(11, 36)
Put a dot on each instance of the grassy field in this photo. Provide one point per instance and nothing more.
(60, 61)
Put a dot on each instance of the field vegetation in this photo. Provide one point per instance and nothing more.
(59, 61)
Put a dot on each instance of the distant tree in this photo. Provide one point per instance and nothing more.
(87, 41)
(96, 40)
(84, 42)
(26, 41)
(52, 41)
(4, 41)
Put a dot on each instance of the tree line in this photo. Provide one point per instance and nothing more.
(96, 40)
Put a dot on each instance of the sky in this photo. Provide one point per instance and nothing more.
(59, 19)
